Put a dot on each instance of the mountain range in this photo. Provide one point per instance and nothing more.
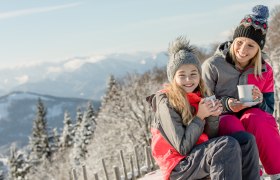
(80, 77)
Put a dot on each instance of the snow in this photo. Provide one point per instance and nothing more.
(154, 175)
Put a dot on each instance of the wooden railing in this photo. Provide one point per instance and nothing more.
(137, 170)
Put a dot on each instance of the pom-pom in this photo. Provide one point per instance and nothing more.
(180, 44)
(261, 11)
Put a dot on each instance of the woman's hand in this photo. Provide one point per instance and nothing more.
(257, 94)
(235, 105)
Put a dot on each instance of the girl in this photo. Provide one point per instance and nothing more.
(241, 62)
(182, 126)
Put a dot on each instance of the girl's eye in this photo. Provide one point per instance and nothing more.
(250, 45)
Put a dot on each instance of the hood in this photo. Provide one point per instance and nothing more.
(152, 101)
(223, 48)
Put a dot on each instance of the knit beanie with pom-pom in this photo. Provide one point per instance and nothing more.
(254, 26)
(181, 52)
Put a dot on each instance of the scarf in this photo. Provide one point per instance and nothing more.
(194, 99)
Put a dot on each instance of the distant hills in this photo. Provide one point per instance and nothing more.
(18, 110)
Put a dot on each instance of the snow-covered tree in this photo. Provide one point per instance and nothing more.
(38, 142)
(54, 141)
(67, 136)
(83, 135)
(273, 34)
(110, 90)
(124, 120)
(18, 165)
(273, 46)
(136, 112)
(79, 119)
(275, 62)
(88, 125)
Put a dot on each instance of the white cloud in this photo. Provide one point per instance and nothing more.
(143, 62)
(6, 81)
(22, 79)
(96, 58)
(54, 70)
(11, 14)
(73, 64)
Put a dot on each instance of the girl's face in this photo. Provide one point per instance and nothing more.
(187, 77)
(244, 49)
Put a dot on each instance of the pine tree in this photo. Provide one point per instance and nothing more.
(76, 153)
(110, 90)
(38, 142)
(54, 141)
(79, 119)
(83, 135)
(88, 126)
(18, 165)
(67, 136)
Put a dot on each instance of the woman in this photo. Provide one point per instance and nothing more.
(241, 62)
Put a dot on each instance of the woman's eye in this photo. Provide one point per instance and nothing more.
(193, 74)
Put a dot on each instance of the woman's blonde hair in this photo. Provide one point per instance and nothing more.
(256, 61)
(178, 99)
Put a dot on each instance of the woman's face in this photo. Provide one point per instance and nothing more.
(187, 77)
(244, 49)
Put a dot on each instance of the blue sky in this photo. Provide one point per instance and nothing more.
(38, 31)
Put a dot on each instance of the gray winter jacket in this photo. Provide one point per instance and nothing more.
(170, 124)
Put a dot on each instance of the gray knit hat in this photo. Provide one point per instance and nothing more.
(181, 52)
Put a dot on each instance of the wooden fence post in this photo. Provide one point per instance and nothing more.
(132, 169)
(117, 173)
(84, 172)
(74, 174)
(105, 170)
(148, 162)
(152, 158)
(96, 176)
(123, 165)
(137, 161)
(70, 175)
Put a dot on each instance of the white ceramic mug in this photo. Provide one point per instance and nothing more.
(245, 92)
